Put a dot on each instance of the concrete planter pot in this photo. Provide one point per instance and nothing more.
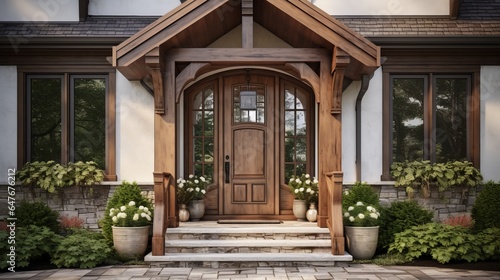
(183, 213)
(361, 241)
(131, 241)
(196, 209)
(299, 209)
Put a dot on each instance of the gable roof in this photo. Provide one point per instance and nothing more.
(197, 23)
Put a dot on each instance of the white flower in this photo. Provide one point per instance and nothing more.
(203, 191)
(197, 189)
(346, 192)
(202, 179)
(190, 189)
(183, 181)
(351, 218)
(191, 176)
(312, 192)
(181, 185)
(291, 179)
(361, 216)
(131, 203)
(148, 217)
(359, 203)
(346, 214)
(308, 182)
(143, 214)
(122, 215)
(374, 215)
(297, 181)
(307, 176)
(146, 209)
(301, 189)
(115, 219)
(369, 208)
(179, 180)
(196, 181)
(122, 208)
(308, 190)
(136, 217)
(315, 181)
(296, 191)
(141, 207)
(350, 208)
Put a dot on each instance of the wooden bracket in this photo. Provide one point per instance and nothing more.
(307, 75)
(340, 61)
(156, 69)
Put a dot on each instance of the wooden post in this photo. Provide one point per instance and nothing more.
(158, 242)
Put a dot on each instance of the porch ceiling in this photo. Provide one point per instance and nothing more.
(198, 23)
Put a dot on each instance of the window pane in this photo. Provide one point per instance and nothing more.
(208, 150)
(289, 149)
(289, 99)
(198, 123)
(300, 149)
(45, 110)
(198, 149)
(209, 99)
(289, 172)
(451, 118)
(301, 122)
(408, 119)
(289, 123)
(209, 123)
(209, 171)
(90, 120)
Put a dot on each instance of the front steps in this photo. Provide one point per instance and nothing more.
(208, 244)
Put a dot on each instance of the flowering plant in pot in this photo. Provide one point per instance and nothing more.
(190, 191)
(304, 188)
(131, 225)
(361, 223)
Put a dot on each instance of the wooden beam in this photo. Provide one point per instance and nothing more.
(335, 222)
(307, 75)
(160, 218)
(454, 9)
(83, 9)
(256, 55)
(247, 23)
(190, 73)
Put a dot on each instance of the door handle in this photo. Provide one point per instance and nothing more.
(226, 169)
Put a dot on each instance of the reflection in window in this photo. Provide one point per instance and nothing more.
(451, 118)
(295, 126)
(45, 118)
(203, 132)
(88, 122)
(246, 112)
(408, 118)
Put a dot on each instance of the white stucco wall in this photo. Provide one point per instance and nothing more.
(8, 121)
(134, 131)
(385, 7)
(490, 122)
(371, 129)
(131, 7)
(39, 10)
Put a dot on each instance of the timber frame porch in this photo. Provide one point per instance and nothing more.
(322, 55)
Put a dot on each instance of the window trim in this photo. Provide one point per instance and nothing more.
(473, 104)
(24, 72)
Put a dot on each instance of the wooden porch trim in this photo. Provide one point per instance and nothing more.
(335, 219)
(163, 184)
(190, 73)
(307, 75)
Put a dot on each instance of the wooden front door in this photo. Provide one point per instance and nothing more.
(249, 145)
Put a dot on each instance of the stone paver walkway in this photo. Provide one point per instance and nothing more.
(354, 271)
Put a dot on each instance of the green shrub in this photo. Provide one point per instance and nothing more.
(37, 214)
(82, 249)
(398, 217)
(361, 191)
(446, 243)
(485, 209)
(125, 193)
(31, 243)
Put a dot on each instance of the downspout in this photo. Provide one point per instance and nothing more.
(365, 83)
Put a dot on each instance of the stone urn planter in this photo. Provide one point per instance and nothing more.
(196, 209)
(361, 241)
(131, 241)
(312, 213)
(299, 209)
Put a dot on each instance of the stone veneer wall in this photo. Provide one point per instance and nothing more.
(454, 202)
(75, 202)
(71, 202)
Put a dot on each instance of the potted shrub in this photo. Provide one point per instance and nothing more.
(304, 188)
(191, 191)
(361, 223)
(130, 224)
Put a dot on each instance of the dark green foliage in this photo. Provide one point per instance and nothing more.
(125, 193)
(4, 249)
(82, 249)
(400, 216)
(486, 207)
(446, 243)
(37, 214)
(361, 191)
(32, 242)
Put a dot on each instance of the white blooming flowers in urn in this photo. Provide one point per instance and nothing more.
(192, 188)
(361, 215)
(304, 187)
(130, 215)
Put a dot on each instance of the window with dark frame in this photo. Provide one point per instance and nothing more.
(66, 118)
(430, 116)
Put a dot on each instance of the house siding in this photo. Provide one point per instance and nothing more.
(490, 124)
(8, 120)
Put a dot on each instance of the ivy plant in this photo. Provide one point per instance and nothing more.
(423, 174)
(51, 176)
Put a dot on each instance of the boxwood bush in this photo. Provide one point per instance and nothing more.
(486, 207)
(361, 191)
(37, 214)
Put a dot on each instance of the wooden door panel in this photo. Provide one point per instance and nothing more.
(249, 153)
